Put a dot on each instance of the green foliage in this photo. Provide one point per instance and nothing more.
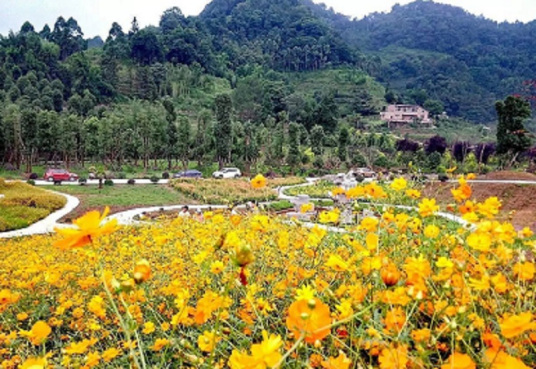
(511, 135)
(293, 157)
(223, 129)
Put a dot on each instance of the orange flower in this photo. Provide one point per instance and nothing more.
(311, 318)
(89, 227)
(524, 271)
(515, 325)
(142, 271)
(39, 333)
(160, 344)
(394, 357)
(258, 182)
(395, 319)
(459, 361)
(421, 335)
(501, 360)
(341, 362)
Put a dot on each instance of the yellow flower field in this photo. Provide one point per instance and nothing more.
(398, 291)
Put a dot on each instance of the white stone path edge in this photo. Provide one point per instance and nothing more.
(47, 225)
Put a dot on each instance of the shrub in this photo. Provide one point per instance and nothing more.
(108, 182)
(165, 175)
(82, 181)
(33, 176)
(154, 179)
(31, 182)
(131, 181)
(121, 175)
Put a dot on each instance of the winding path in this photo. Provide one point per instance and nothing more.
(48, 224)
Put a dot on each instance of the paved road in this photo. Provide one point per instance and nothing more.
(48, 224)
(96, 182)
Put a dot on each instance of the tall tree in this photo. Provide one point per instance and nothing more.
(183, 145)
(223, 130)
(512, 137)
(344, 140)
(172, 138)
(317, 140)
(293, 157)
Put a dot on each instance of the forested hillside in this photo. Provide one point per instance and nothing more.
(150, 93)
(465, 61)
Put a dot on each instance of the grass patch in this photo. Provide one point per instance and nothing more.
(320, 189)
(121, 197)
(280, 205)
(226, 191)
(24, 205)
(285, 181)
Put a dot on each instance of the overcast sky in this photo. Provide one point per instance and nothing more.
(96, 16)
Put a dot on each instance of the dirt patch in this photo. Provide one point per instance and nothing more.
(519, 201)
(509, 175)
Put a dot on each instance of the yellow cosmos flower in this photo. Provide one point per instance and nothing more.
(431, 231)
(428, 207)
(258, 182)
(207, 341)
(479, 241)
(34, 363)
(217, 267)
(89, 227)
(443, 262)
(336, 263)
(369, 224)
(399, 184)
(414, 194)
(306, 292)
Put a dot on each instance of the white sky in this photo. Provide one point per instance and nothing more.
(96, 16)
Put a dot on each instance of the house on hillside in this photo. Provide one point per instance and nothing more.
(401, 115)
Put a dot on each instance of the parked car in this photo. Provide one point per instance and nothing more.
(55, 175)
(227, 173)
(188, 174)
(365, 172)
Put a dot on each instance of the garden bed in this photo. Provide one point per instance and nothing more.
(222, 191)
(23, 205)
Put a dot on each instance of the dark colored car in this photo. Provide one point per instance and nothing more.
(188, 174)
(55, 175)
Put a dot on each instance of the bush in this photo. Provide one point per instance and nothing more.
(31, 182)
(82, 181)
(131, 181)
(281, 205)
(154, 179)
(121, 175)
(165, 175)
(33, 176)
(108, 182)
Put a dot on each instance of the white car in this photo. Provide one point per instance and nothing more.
(227, 173)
